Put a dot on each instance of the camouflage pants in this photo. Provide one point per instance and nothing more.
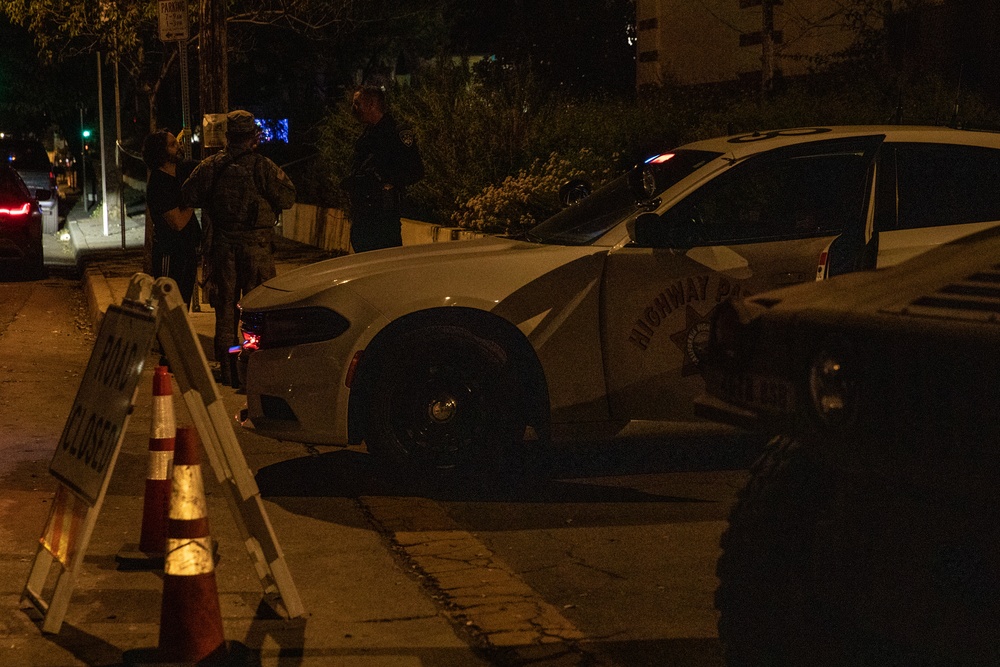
(240, 262)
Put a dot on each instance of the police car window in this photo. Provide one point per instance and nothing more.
(939, 184)
(767, 199)
(592, 217)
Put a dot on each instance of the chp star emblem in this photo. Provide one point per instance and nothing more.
(693, 338)
(406, 136)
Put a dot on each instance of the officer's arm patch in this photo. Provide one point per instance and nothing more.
(406, 136)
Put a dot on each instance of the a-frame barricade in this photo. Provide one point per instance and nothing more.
(92, 438)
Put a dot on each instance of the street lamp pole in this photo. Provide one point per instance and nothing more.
(83, 162)
(104, 162)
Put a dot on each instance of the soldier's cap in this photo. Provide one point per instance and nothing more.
(240, 122)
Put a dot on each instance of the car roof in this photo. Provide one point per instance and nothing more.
(748, 143)
(24, 154)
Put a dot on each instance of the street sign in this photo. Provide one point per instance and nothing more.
(96, 424)
(173, 18)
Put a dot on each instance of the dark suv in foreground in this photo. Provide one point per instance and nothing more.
(869, 530)
(20, 228)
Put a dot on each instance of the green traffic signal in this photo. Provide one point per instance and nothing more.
(86, 134)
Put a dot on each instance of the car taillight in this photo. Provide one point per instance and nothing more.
(16, 212)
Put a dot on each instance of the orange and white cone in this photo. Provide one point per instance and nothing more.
(190, 617)
(162, 435)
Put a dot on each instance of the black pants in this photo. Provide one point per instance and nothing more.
(181, 265)
(240, 262)
(375, 222)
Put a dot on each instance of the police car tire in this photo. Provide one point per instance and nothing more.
(767, 611)
(446, 361)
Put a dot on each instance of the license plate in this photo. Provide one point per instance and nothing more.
(760, 393)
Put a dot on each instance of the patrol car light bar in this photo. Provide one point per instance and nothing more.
(659, 159)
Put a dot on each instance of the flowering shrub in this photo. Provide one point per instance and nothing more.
(520, 202)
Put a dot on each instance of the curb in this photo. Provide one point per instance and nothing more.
(97, 293)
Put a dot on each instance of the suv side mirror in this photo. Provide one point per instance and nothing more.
(43, 194)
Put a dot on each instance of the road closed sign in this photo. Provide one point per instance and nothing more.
(173, 20)
(96, 423)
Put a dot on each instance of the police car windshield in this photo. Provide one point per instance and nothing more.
(589, 219)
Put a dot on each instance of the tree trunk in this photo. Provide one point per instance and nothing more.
(213, 65)
(767, 48)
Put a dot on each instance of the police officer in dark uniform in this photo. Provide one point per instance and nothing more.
(241, 192)
(385, 162)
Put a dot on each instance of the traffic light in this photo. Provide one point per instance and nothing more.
(86, 140)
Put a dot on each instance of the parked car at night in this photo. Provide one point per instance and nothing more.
(29, 159)
(591, 326)
(867, 533)
(20, 228)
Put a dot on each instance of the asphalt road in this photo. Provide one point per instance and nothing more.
(611, 563)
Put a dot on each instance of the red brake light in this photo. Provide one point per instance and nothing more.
(250, 341)
(24, 209)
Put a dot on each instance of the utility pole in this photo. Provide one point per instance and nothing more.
(213, 63)
(767, 48)
(213, 88)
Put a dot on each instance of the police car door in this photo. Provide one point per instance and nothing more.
(760, 224)
(932, 193)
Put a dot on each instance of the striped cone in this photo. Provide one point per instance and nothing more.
(161, 457)
(190, 617)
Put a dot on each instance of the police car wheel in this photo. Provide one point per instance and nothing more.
(444, 399)
(769, 614)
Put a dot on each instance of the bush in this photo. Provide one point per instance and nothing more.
(520, 202)
(497, 146)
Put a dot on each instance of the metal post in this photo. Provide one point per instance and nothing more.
(83, 164)
(185, 99)
(118, 148)
(104, 162)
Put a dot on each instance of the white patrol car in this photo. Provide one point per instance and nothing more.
(590, 327)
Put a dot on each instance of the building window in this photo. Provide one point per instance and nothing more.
(649, 56)
(755, 38)
(649, 24)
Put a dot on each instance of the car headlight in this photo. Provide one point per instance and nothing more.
(833, 385)
(294, 326)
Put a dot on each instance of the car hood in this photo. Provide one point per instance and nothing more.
(478, 273)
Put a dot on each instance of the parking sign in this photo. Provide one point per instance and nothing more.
(173, 15)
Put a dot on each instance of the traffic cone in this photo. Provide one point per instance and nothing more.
(190, 617)
(162, 435)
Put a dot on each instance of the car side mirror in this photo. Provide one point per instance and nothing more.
(648, 230)
(43, 194)
(574, 191)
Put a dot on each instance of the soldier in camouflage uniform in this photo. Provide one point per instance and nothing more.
(385, 162)
(241, 194)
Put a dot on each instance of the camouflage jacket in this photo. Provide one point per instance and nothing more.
(239, 190)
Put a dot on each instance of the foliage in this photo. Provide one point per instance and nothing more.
(521, 201)
(497, 146)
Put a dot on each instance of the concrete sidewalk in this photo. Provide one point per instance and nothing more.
(106, 262)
